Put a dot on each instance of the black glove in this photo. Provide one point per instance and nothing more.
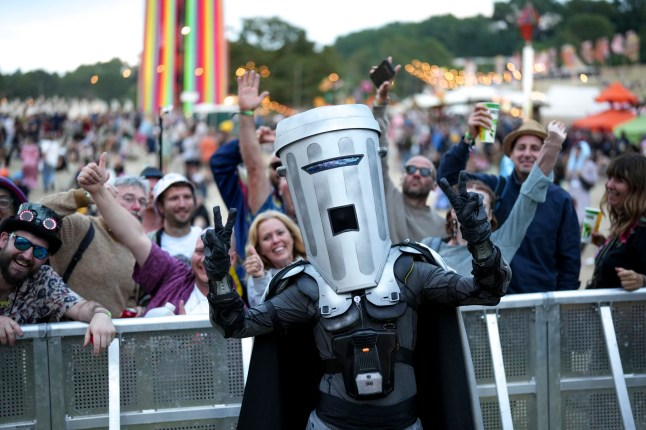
(217, 241)
(474, 224)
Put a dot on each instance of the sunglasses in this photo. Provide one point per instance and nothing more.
(424, 171)
(23, 244)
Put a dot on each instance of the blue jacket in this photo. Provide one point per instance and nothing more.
(224, 165)
(549, 258)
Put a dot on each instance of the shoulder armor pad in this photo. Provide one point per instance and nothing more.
(387, 291)
(331, 303)
(293, 270)
(276, 284)
(429, 254)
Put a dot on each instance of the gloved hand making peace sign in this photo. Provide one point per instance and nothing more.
(217, 241)
(474, 224)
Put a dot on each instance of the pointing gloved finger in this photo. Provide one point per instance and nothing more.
(448, 191)
(231, 218)
(217, 217)
(462, 183)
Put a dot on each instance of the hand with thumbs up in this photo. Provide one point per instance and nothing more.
(253, 264)
(93, 176)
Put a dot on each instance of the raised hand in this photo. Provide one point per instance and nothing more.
(556, 132)
(474, 224)
(253, 263)
(265, 134)
(93, 176)
(384, 89)
(479, 118)
(217, 241)
(248, 91)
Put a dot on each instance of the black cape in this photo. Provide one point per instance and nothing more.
(285, 370)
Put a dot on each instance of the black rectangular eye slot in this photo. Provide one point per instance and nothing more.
(342, 219)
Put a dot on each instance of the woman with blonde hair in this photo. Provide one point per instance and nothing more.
(274, 242)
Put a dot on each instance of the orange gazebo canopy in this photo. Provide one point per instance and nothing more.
(604, 121)
(617, 93)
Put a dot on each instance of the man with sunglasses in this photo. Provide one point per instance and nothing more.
(409, 215)
(87, 240)
(32, 292)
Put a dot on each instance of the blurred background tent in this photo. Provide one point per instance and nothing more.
(617, 94)
(604, 121)
(635, 129)
(622, 109)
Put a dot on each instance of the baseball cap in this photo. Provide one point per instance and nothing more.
(37, 219)
(151, 172)
(167, 181)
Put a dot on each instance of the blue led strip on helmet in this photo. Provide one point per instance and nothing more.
(332, 163)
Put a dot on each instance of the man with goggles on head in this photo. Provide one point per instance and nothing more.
(32, 292)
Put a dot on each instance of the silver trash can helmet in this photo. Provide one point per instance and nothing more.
(333, 169)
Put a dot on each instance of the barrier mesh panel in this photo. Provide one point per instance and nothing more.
(591, 410)
(174, 369)
(517, 340)
(221, 424)
(476, 328)
(518, 343)
(522, 409)
(17, 391)
(630, 325)
(583, 351)
(638, 404)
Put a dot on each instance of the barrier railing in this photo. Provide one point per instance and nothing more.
(565, 360)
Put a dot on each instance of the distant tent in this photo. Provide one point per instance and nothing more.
(635, 129)
(604, 121)
(617, 93)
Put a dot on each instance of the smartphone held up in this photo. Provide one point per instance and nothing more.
(384, 72)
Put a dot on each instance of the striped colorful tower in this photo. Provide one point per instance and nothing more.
(185, 56)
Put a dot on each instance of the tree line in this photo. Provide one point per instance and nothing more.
(298, 69)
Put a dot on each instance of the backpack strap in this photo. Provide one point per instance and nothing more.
(158, 235)
(87, 239)
(501, 187)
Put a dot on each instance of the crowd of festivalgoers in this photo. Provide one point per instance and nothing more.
(150, 221)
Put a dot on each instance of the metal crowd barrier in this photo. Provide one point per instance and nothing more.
(566, 360)
(572, 360)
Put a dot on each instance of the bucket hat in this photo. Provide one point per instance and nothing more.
(529, 127)
(167, 181)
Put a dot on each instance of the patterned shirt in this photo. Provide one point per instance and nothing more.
(43, 297)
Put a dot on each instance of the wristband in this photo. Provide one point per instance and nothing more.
(246, 112)
(103, 311)
(468, 139)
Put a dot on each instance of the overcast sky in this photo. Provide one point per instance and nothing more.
(60, 35)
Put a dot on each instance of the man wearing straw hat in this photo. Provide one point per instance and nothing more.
(549, 258)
